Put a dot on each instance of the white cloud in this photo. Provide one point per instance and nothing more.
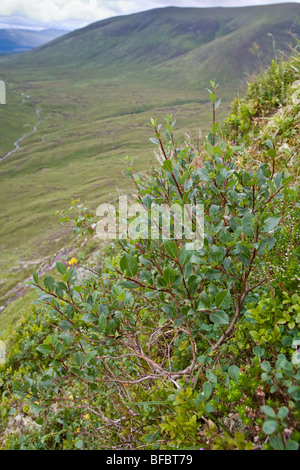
(76, 13)
(56, 10)
(51, 12)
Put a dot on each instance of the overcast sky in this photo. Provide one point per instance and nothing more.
(73, 14)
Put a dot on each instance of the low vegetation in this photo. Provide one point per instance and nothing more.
(148, 344)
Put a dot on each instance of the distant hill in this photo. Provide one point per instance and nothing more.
(21, 40)
(226, 40)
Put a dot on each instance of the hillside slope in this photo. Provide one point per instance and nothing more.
(165, 36)
(156, 36)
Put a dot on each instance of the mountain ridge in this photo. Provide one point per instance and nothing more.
(16, 40)
(164, 33)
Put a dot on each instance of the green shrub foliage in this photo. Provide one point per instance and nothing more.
(159, 346)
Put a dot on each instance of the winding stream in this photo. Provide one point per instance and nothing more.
(16, 143)
(17, 146)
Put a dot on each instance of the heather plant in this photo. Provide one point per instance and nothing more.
(266, 119)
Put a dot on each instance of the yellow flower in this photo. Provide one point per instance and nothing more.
(72, 261)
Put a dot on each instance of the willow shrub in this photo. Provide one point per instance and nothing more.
(154, 350)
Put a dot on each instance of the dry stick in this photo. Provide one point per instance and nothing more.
(111, 422)
(160, 333)
(133, 382)
(154, 366)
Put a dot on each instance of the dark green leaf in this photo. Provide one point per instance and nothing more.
(167, 165)
(171, 248)
(78, 358)
(223, 299)
(270, 426)
(219, 317)
(207, 389)
(276, 443)
(185, 255)
(65, 325)
(270, 223)
(283, 412)
(169, 275)
(258, 351)
(60, 267)
(102, 322)
(49, 283)
(234, 371)
(36, 276)
(249, 225)
(268, 411)
(45, 349)
(216, 254)
(292, 445)
(128, 265)
(203, 174)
